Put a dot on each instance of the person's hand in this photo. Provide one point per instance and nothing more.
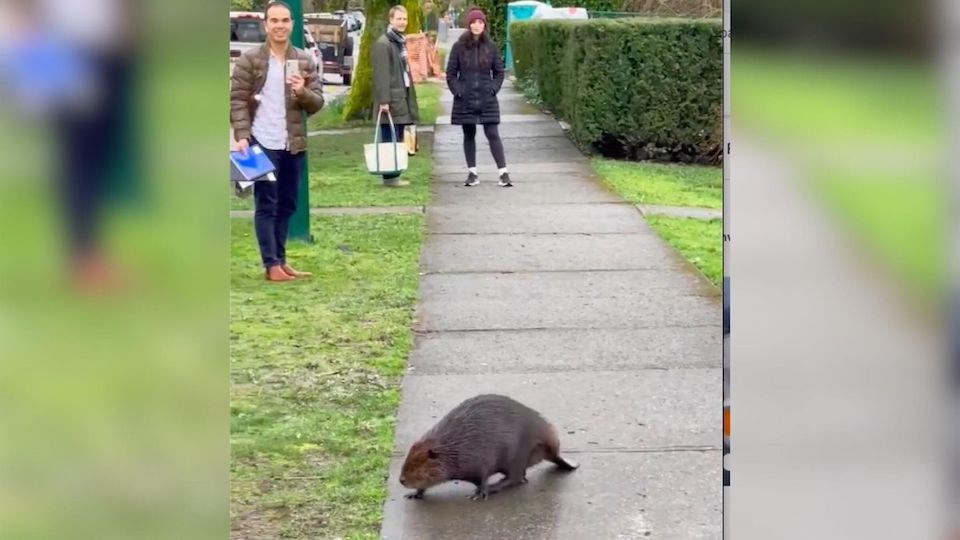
(242, 145)
(296, 81)
(384, 107)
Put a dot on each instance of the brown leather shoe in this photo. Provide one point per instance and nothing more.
(295, 273)
(276, 273)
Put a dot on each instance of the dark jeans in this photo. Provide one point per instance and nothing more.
(275, 202)
(87, 141)
(385, 136)
(493, 137)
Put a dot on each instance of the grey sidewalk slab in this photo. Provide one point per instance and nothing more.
(662, 496)
(510, 107)
(564, 189)
(642, 299)
(518, 146)
(578, 172)
(562, 166)
(530, 253)
(548, 219)
(547, 127)
(617, 410)
(563, 153)
(546, 351)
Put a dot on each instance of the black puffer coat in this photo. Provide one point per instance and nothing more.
(474, 76)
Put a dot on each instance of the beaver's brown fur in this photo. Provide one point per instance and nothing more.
(482, 436)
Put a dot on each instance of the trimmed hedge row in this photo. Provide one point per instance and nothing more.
(629, 88)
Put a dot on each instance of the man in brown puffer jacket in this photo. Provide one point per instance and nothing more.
(266, 107)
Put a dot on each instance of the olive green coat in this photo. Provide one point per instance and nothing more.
(388, 84)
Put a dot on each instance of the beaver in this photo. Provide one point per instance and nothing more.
(484, 435)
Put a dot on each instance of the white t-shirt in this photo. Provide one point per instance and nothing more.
(270, 122)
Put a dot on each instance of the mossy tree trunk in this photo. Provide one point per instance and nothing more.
(414, 16)
(360, 102)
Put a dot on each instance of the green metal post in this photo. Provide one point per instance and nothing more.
(300, 221)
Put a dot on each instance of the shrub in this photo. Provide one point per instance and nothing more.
(630, 88)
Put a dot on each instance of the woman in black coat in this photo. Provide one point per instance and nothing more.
(475, 75)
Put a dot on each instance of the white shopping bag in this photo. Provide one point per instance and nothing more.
(385, 157)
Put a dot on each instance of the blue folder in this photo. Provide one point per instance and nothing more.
(254, 164)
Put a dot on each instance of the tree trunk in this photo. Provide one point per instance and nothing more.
(360, 102)
(414, 16)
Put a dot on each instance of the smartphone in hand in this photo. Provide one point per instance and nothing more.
(293, 67)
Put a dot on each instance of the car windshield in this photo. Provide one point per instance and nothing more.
(247, 31)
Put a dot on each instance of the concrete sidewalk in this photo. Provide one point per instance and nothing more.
(557, 293)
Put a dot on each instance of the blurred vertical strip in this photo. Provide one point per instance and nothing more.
(726, 149)
(950, 64)
(837, 194)
(113, 269)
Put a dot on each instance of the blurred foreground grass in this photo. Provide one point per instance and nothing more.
(114, 421)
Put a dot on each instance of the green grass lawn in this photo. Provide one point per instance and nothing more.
(698, 241)
(663, 184)
(339, 177)
(315, 368)
(901, 222)
(866, 135)
(331, 116)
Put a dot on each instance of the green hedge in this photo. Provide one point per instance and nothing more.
(629, 88)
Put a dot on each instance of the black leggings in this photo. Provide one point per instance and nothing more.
(493, 137)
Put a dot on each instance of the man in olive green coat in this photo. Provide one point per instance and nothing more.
(393, 88)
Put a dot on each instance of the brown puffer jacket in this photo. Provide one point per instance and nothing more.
(249, 76)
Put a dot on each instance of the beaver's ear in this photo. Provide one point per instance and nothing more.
(432, 454)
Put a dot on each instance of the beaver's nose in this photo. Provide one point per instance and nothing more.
(403, 479)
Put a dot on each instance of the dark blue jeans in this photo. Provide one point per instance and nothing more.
(385, 136)
(87, 142)
(275, 202)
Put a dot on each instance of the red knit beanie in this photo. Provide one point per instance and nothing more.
(476, 14)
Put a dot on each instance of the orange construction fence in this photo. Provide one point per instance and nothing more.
(422, 57)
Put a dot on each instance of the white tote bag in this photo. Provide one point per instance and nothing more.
(385, 157)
